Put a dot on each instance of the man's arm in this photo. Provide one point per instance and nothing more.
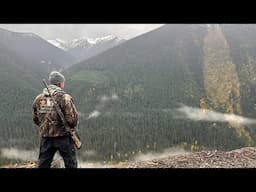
(34, 113)
(71, 118)
(70, 111)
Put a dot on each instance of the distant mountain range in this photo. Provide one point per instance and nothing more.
(84, 48)
(37, 52)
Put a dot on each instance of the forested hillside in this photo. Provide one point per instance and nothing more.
(18, 86)
(150, 76)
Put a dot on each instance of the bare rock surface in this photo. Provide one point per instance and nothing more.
(239, 158)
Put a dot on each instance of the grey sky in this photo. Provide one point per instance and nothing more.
(72, 31)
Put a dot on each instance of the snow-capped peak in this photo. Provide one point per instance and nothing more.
(59, 43)
(101, 39)
(88, 42)
(83, 42)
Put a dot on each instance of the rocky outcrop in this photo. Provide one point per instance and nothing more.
(240, 158)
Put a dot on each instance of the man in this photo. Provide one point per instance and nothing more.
(53, 136)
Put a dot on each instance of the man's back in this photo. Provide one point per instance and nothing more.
(45, 115)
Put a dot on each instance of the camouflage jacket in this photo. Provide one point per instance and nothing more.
(45, 115)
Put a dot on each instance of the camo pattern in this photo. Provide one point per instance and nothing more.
(46, 117)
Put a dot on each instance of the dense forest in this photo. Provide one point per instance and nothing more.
(128, 95)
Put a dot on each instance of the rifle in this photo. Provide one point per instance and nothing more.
(70, 131)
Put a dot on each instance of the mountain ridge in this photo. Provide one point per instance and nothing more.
(84, 47)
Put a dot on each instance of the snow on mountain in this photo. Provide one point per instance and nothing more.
(59, 43)
(84, 48)
(83, 42)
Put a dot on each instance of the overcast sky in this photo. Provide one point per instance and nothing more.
(72, 31)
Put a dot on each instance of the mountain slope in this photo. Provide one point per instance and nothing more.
(36, 51)
(18, 86)
(241, 39)
(221, 79)
(150, 75)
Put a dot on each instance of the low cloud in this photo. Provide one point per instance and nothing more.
(166, 153)
(25, 155)
(94, 114)
(198, 114)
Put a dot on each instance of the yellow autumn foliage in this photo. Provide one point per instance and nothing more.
(220, 79)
